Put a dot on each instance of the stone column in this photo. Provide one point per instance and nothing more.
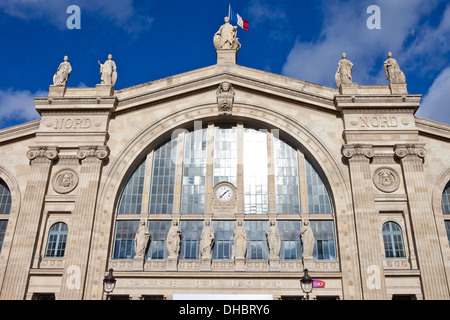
(80, 231)
(366, 219)
(28, 223)
(429, 257)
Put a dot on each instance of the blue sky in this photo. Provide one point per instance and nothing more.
(153, 39)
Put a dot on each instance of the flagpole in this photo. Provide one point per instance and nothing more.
(229, 10)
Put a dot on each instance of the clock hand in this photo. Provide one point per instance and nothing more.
(224, 194)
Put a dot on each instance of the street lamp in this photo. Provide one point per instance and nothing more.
(306, 283)
(109, 283)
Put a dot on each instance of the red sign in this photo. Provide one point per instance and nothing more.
(318, 283)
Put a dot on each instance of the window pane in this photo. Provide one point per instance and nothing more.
(317, 194)
(124, 239)
(5, 198)
(446, 199)
(131, 200)
(291, 246)
(393, 240)
(194, 172)
(191, 232)
(225, 155)
(325, 244)
(163, 178)
(223, 240)
(257, 247)
(286, 178)
(57, 238)
(255, 172)
(158, 234)
(447, 228)
(3, 225)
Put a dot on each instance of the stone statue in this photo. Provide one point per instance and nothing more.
(344, 71)
(62, 74)
(207, 240)
(393, 72)
(307, 236)
(141, 239)
(173, 240)
(225, 98)
(240, 240)
(225, 37)
(274, 240)
(108, 71)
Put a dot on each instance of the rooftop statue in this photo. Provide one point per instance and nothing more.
(392, 70)
(225, 37)
(344, 71)
(108, 71)
(62, 74)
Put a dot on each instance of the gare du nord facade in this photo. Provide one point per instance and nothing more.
(206, 183)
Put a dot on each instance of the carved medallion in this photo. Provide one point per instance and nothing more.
(386, 179)
(65, 180)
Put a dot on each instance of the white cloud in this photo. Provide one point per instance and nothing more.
(345, 30)
(430, 47)
(121, 12)
(263, 13)
(18, 106)
(436, 103)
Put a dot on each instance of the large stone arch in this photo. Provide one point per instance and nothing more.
(436, 202)
(16, 200)
(132, 153)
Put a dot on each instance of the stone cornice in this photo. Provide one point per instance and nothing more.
(19, 132)
(297, 93)
(377, 101)
(433, 129)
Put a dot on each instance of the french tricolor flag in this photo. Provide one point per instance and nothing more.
(237, 18)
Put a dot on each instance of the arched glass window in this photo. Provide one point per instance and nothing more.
(318, 197)
(131, 200)
(57, 238)
(194, 172)
(271, 176)
(446, 199)
(393, 240)
(5, 198)
(163, 178)
(5, 209)
(446, 208)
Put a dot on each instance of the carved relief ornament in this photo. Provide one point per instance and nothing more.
(225, 98)
(357, 151)
(65, 180)
(410, 151)
(98, 152)
(386, 179)
(43, 152)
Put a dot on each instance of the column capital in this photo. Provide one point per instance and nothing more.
(357, 151)
(47, 152)
(410, 151)
(99, 152)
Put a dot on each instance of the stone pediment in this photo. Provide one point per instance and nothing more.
(248, 83)
(243, 79)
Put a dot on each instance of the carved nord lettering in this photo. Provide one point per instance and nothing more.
(72, 123)
(378, 122)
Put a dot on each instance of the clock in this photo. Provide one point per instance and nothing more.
(224, 193)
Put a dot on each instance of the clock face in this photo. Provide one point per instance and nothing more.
(224, 193)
